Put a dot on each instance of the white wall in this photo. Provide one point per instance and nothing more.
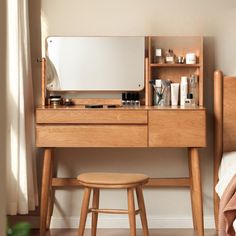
(214, 19)
(2, 116)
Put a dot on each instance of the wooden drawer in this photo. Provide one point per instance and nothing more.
(91, 136)
(84, 116)
(177, 128)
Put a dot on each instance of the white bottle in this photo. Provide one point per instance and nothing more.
(183, 89)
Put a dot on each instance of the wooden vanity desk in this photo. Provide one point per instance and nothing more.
(145, 126)
(122, 127)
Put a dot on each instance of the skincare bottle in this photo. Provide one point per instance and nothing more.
(183, 89)
(193, 87)
(124, 99)
(158, 56)
(170, 57)
(174, 94)
(189, 101)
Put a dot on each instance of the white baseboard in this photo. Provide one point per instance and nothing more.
(122, 222)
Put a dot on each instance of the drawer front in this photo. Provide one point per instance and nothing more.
(177, 128)
(73, 116)
(91, 136)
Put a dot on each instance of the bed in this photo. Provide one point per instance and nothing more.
(225, 152)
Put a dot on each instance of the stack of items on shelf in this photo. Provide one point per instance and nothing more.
(169, 57)
(167, 93)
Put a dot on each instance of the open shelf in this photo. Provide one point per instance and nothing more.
(176, 65)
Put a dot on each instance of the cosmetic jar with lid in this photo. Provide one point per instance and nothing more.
(191, 58)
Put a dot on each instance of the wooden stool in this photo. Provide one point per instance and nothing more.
(96, 181)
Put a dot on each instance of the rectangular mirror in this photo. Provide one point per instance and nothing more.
(95, 63)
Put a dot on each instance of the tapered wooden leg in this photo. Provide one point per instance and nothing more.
(84, 211)
(95, 214)
(46, 184)
(191, 188)
(131, 211)
(51, 196)
(196, 192)
(141, 205)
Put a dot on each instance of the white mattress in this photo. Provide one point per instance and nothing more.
(226, 171)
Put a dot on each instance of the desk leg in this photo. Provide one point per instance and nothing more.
(196, 191)
(51, 195)
(46, 185)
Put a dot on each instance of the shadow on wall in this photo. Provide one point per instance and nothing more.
(207, 153)
(35, 38)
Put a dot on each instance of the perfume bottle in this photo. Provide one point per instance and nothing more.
(159, 59)
(170, 57)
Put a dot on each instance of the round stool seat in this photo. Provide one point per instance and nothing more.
(112, 180)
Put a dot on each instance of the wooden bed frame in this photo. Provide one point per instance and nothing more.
(225, 123)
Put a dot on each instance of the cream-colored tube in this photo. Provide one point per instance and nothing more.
(174, 94)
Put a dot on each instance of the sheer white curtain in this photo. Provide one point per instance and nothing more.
(22, 193)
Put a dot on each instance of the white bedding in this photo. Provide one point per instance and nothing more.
(226, 171)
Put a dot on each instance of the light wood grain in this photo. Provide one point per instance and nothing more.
(91, 136)
(229, 114)
(142, 208)
(46, 184)
(218, 135)
(101, 101)
(131, 211)
(177, 129)
(43, 82)
(95, 205)
(84, 211)
(87, 116)
(197, 204)
(152, 183)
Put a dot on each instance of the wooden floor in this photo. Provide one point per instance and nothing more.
(125, 232)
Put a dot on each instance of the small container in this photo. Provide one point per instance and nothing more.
(191, 58)
(159, 59)
(189, 101)
(55, 101)
(180, 60)
(170, 57)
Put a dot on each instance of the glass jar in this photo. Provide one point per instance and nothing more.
(170, 57)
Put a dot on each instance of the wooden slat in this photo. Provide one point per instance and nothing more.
(43, 87)
(102, 101)
(112, 211)
(229, 114)
(218, 135)
(153, 182)
(90, 116)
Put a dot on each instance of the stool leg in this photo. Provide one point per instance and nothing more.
(131, 211)
(95, 214)
(141, 205)
(84, 211)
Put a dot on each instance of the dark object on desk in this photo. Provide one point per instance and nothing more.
(93, 106)
(55, 101)
(68, 102)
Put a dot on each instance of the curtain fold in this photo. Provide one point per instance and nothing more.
(22, 194)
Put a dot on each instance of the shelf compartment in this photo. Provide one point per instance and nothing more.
(176, 65)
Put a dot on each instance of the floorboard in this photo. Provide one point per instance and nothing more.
(125, 232)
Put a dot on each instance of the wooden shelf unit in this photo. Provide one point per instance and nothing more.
(180, 46)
